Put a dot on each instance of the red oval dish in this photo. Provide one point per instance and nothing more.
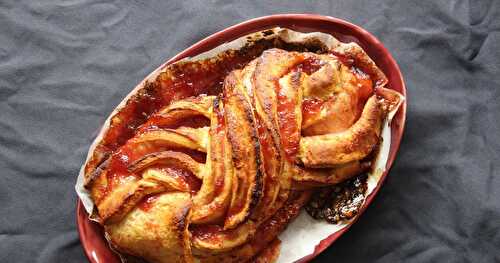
(91, 234)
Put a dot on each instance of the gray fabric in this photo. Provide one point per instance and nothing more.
(64, 65)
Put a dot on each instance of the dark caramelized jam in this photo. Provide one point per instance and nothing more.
(340, 202)
(200, 157)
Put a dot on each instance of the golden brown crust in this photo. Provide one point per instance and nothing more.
(361, 60)
(269, 254)
(168, 138)
(328, 176)
(168, 158)
(200, 105)
(218, 240)
(271, 66)
(211, 202)
(247, 184)
(339, 148)
(266, 233)
(158, 234)
(342, 104)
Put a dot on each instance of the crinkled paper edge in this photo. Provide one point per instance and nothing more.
(304, 233)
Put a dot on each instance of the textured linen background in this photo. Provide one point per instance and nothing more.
(64, 65)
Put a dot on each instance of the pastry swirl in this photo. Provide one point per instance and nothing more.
(218, 177)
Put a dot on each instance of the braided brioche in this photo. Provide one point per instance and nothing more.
(218, 177)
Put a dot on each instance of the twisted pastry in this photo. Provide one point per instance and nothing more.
(217, 178)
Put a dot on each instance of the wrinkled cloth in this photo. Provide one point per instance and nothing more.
(64, 65)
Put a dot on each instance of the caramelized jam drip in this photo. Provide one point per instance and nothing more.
(339, 203)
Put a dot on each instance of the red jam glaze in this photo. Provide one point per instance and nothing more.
(219, 183)
(289, 128)
(363, 81)
(365, 85)
(221, 120)
(130, 152)
(206, 232)
(308, 65)
(118, 171)
(311, 107)
(190, 80)
(190, 181)
(118, 168)
(213, 233)
(361, 70)
(147, 202)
